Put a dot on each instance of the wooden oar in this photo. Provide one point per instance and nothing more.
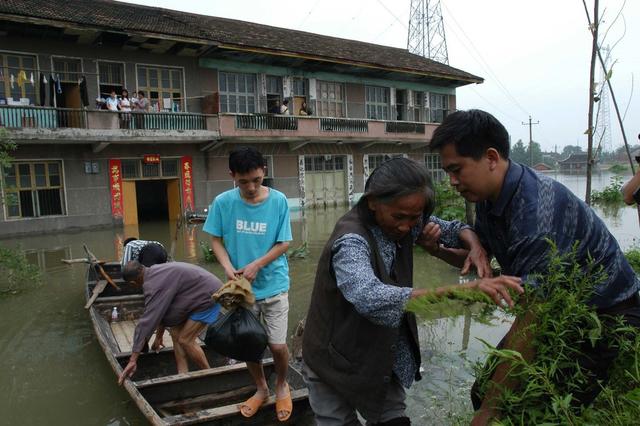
(99, 288)
(101, 284)
(96, 264)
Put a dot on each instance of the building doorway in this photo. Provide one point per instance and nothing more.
(151, 199)
(325, 180)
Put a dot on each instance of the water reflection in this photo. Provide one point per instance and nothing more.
(55, 373)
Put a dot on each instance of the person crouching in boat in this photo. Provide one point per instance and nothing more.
(176, 295)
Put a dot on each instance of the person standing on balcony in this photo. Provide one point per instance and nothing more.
(304, 109)
(284, 108)
(140, 106)
(251, 231)
(125, 107)
(112, 102)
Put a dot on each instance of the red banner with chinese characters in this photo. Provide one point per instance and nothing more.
(187, 183)
(115, 180)
(151, 159)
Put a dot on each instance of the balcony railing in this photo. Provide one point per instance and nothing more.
(266, 122)
(19, 117)
(161, 121)
(404, 127)
(343, 125)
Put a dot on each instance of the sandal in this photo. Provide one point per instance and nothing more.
(284, 405)
(252, 405)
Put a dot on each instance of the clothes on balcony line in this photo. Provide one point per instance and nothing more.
(43, 90)
(84, 94)
(22, 78)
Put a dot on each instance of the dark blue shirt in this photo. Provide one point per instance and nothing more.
(532, 208)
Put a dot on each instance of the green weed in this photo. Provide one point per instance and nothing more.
(16, 273)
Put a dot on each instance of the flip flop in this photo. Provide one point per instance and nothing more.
(252, 405)
(284, 404)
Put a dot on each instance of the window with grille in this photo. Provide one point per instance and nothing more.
(110, 77)
(377, 101)
(11, 65)
(323, 163)
(330, 99)
(164, 86)
(237, 92)
(34, 189)
(434, 165)
(138, 169)
(299, 88)
(376, 159)
(439, 107)
(419, 110)
(68, 69)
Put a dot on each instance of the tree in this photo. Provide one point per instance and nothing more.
(537, 154)
(6, 147)
(571, 149)
(519, 153)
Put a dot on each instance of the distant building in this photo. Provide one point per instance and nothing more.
(211, 83)
(574, 163)
(542, 167)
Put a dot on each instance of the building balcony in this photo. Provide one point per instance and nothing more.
(63, 125)
(275, 127)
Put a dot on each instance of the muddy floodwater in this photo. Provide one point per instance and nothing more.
(53, 372)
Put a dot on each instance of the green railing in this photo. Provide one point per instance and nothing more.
(266, 122)
(347, 125)
(19, 117)
(162, 121)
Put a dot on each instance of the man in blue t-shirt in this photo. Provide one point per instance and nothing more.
(251, 230)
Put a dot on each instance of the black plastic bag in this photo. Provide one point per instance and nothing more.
(239, 335)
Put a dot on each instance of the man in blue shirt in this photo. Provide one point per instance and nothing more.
(251, 231)
(516, 211)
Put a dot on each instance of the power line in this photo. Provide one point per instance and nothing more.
(484, 63)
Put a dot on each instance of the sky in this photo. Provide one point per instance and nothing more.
(533, 55)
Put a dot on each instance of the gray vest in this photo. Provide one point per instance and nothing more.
(345, 349)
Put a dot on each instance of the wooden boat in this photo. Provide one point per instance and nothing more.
(166, 398)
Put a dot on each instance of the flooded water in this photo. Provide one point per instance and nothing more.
(54, 372)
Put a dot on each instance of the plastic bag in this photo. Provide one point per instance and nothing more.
(239, 335)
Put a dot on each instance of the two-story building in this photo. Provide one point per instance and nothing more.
(212, 84)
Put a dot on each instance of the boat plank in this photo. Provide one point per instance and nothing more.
(182, 405)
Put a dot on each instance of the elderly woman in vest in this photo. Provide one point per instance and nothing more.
(360, 347)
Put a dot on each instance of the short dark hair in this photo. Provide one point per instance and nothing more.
(286, 102)
(245, 159)
(152, 254)
(131, 270)
(395, 178)
(128, 240)
(141, 93)
(473, 132)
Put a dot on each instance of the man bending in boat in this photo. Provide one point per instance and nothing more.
(176, 295)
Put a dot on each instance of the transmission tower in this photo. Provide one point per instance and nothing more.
(426, 31)
(602, 133)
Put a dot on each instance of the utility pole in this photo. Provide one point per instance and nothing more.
(530, 124)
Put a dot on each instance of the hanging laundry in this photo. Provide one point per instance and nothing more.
(43, 90)
(52, 90)
(58, 85)
(22, 78)
(31, 80)
(13, 80)
(84, 94)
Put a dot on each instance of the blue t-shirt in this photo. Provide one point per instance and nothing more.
(249, 231)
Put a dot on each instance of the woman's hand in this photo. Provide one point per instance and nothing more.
(498, 288)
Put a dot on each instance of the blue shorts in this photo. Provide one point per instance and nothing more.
(208, 317)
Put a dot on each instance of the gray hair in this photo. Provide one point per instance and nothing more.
(398, 177)
(132, 270)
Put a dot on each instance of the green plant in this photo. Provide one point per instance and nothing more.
(564, 323)
(300, 252)
(207, 253)
(610, 194)
(16, 273)
(449, 204)
(633, 257)
(618, 169)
